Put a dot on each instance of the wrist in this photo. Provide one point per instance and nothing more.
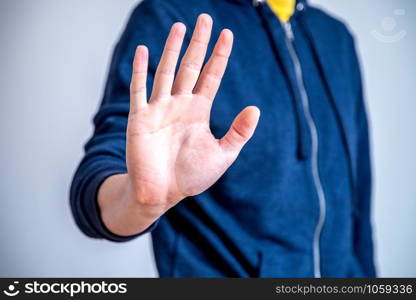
(145, 203)
(151, 200)
(120, 212)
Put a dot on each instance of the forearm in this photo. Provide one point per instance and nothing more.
(121, 211)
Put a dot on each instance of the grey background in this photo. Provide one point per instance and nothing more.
(54, 56)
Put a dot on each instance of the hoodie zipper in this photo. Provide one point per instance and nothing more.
(314, 151)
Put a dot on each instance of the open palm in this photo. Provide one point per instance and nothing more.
(171, 152)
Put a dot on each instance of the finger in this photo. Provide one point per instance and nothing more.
(138, 79)
(194, 57)
(165, 72)
(241, 130)
(213, 71)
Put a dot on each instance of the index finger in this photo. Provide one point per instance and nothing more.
(213, 71)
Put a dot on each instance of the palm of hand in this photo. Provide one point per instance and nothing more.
(171, 152)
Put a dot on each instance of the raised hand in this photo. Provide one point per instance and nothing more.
(171, 152)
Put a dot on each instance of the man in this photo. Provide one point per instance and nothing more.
(294, 202)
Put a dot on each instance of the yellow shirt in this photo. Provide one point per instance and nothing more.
(284, 9)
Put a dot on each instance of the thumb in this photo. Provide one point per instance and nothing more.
(241, 129)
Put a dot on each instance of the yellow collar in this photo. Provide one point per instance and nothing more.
(284, 9)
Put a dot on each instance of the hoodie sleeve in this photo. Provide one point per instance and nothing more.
(363, 235)
(104, 156)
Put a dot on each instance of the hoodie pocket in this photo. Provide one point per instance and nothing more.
(277, 264)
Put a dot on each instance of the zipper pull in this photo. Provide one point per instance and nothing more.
(258, 2)
(288, 30)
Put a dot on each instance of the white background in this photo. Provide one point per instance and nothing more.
(54, 56)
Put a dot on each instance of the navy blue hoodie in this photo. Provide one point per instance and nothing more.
(296, 202)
